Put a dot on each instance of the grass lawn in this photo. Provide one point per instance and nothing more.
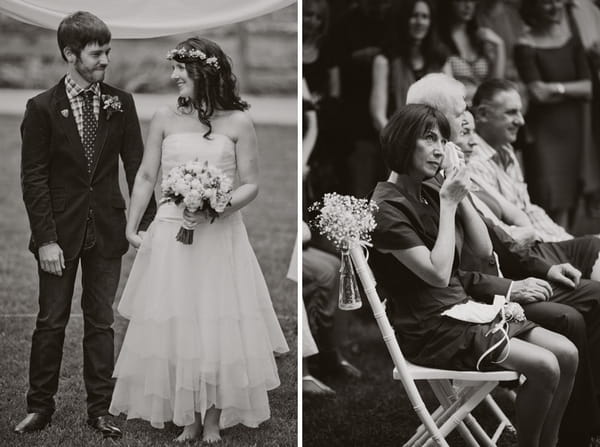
(271, 223)
(373, 411)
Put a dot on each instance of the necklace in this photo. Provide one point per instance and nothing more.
(423, 200)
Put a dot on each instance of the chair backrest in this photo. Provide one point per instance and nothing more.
(389, 337)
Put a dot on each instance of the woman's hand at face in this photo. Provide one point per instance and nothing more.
(456, 186)
(453, 157)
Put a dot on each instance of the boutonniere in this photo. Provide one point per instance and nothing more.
(111, 104)
(65, 113)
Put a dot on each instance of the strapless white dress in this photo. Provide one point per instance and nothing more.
(202, 328)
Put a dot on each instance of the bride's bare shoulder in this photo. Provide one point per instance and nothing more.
(233, 123)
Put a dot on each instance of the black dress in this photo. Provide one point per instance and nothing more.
(425, 336)
(561, 161)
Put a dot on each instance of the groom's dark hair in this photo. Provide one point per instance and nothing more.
(80, 29)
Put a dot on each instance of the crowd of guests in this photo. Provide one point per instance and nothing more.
(469, 123)
(360, 58)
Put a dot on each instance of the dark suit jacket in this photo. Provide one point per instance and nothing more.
(57, 189)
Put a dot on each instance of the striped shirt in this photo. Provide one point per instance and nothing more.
(500, 170)
(75, 95)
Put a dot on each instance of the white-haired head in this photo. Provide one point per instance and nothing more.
(445, 94)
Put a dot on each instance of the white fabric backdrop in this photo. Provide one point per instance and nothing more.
(133, 19)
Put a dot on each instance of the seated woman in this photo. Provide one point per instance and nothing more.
(420, 232)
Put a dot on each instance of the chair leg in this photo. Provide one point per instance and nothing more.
(446, 396)
(505, 423)
(431, 430)
(446, 420)
(421, 430)
(468, 399)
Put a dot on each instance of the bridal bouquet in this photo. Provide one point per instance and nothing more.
(199, 186)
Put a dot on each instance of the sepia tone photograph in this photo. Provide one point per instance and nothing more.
(149, 217)
(451, 223)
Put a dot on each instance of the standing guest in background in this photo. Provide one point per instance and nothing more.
(414, 49)
(69, 171)
(358, 37)
(503, 18)
(586, 18)
(322, 90)
(561, 160)
(477, 53)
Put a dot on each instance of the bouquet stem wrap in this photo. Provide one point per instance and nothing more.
(185, 235)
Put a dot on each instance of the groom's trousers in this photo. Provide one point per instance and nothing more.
(100, 278)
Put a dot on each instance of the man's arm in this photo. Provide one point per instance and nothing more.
(132, 152)
(483, 287)
(35, 161)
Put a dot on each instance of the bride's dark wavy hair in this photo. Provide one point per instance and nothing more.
(214, 88)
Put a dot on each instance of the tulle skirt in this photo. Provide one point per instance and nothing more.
(202, 328)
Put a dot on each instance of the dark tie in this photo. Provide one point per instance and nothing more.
(89, 128)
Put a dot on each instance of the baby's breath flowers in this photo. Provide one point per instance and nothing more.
(344, 219)
(192, 54)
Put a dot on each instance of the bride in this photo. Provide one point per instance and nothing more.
(199, 347)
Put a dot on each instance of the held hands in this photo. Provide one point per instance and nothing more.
(530, 290)
(565, 275)
(135, 239)
(545, 91)
(52, 259)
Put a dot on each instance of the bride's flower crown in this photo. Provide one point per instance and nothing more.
(183, 53)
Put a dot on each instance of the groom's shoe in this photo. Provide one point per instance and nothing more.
(33, 422)
(103, 425)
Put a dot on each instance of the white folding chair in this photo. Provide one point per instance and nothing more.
(458, 392)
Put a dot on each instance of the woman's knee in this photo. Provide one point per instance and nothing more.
(567, 355)
(544, 371)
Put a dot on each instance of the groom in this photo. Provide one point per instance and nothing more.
(72, 137)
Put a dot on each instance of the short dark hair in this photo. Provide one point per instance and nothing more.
(399, 137)
(488, 90)
(79, 29)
